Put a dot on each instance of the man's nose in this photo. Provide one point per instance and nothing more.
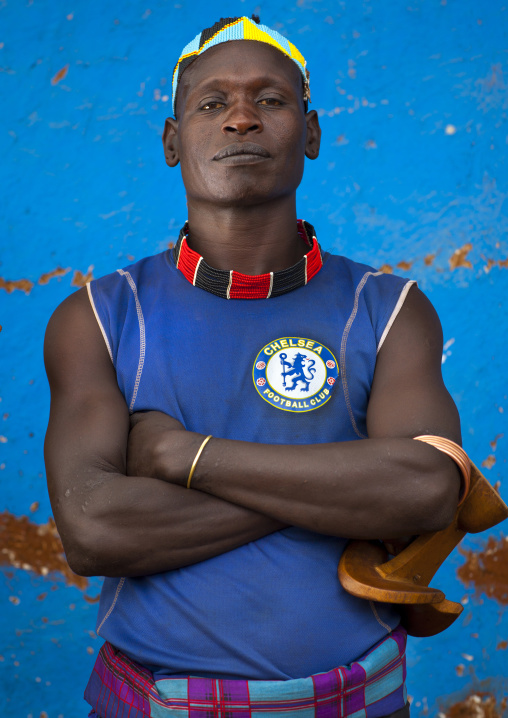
(242, 118)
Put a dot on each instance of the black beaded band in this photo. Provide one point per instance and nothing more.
(230, 284)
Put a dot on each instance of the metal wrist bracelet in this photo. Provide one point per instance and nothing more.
(196, 459)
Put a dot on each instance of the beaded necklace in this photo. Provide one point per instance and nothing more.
(234, 285)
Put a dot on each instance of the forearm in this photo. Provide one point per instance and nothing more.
(132, 526)
(374, 488)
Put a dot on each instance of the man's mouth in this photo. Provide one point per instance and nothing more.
(241, 148)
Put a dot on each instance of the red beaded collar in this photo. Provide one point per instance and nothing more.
(234, 285)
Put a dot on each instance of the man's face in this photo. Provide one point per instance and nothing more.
(242, 133)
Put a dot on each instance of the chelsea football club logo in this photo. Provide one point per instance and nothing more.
(295, 374)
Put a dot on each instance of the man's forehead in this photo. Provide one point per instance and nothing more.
(239, 64)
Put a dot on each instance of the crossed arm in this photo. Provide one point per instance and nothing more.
(119, 496)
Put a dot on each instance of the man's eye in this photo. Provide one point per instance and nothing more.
(212, 105)
(270, 101)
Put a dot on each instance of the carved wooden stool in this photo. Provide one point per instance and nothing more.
(364, 570)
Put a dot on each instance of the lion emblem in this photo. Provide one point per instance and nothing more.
(297, 371)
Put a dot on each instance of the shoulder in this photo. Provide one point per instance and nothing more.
(416, 325)
(72, 340)
(82, 313)
(147, 268)
(363, 275)
(370, 292)
(116, 294)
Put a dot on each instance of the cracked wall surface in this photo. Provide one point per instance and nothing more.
(413, 100)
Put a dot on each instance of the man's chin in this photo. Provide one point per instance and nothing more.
(239, 194)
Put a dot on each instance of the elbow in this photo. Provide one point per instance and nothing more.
(86, 554)
(82, 557)
(441, 497)
(81, 565)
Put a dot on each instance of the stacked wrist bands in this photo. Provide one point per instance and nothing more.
(455, 452)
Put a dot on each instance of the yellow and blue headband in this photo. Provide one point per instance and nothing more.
(237, 28)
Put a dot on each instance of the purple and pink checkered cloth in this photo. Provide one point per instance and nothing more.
(370, 687)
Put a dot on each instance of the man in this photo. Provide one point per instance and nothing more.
(311, 374)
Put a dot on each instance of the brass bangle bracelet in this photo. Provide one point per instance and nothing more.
(196, 459)
(455, 452)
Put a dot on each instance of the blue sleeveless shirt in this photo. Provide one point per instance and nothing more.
(274, 608)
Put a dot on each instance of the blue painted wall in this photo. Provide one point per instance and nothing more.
(413, 101)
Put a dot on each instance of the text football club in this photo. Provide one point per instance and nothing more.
(295, 374)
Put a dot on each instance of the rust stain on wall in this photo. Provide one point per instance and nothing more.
(58, 272)
(34, 547)
(477, 705)
(79, 279)
(92, 599)
(59, 75)
(458, 258)
(502, 646)
(489, 462)
(493, 443)
(24, 285)
(487, 569)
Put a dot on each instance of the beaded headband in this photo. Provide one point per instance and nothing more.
(237, 28)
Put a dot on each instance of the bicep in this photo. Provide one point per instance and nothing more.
(89, 423)
(408, 396)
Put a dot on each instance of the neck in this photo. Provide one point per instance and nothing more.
(250, 240)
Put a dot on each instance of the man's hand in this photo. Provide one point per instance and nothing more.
(157, 439)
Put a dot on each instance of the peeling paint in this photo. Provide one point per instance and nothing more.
(24, 285)
(405, 266)
(58, 272)
(60, 75)
(80, 280)
(493, 443)
(489, 462)
(477, 705)
(458, 258)
(490, 263)
(487, 570)
(34, 547)
(431, 194)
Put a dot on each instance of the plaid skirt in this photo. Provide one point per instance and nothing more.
(371, 687)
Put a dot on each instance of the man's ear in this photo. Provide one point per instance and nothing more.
(313, 140)
(170, 142)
